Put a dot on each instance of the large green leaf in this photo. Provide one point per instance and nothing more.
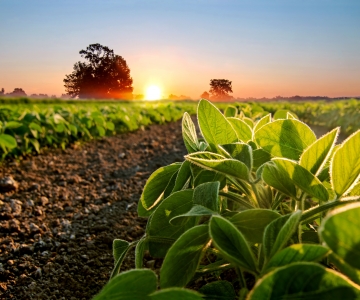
(214, 127)
(304, 280)
(285, 138)
(189, 134)
(252, 223)
(183, 257)
(345, 165)
(239, 151)
(279, 179)
(316, 155)
(278, 233)
(125, 286)
(231, 243)
(158, 226)
(13, 125)
(242, 129)
(341, 232)
(302, 178)
(176, 294)
(155, 187)
(216, 162)
(296, 253)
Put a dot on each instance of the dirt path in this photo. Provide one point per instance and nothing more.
(57, 228)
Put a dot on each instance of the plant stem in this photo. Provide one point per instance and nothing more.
(241, 277)
(236, 198)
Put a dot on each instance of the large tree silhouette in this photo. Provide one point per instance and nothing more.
(103, 75)
(220, 89)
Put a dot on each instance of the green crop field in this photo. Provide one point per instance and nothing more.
(27, 126)
(251, 199)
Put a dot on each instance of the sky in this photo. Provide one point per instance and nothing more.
(266, 48)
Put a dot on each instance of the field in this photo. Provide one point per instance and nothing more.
(81, 168)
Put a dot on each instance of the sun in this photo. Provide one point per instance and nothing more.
(153, 92)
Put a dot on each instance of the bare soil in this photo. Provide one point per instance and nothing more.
(57, 226)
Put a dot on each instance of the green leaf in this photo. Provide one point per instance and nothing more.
(296, 253)
(182, 177)
(155, 187)
(189, 134)
(218, 290)
(218, 163)
(230, 111)
(263, 121)
(281, 114)
(345, 165)
(242, 129)
(214, 127)
(125, 286)
(304, 280)
(7, 141)
(13, 125)
(101, 130)
(252, 223)
(183, 257)
(231, 243)
(279, 179)
(302, 178)
(341, 232)
(176, 204)
(209, 176)
(260, 157)
(120, 249)
(110, 126)
(278, 233)
(239, 151)
(207, 195)
(195, 211)
(356, 190)
(171, 184)
(176, 294)
(285, 138)
(314, 158)
(36, 145)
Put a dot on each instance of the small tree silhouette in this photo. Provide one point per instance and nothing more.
(220, 89)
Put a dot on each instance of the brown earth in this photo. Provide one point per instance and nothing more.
(60, 216)
(57, 226)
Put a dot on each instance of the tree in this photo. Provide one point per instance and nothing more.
(103, 75)
(205, 95)
(220, 89)
(2, 92)
(17, 92)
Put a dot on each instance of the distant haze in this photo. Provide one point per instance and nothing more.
(266, 48)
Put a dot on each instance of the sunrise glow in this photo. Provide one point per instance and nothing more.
(153, 92)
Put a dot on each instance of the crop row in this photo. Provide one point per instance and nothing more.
(27, 128)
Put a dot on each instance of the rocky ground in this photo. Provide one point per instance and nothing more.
(60, 216)
(61, 210)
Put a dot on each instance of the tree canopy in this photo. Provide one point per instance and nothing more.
(104, 75)
(220, 89)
